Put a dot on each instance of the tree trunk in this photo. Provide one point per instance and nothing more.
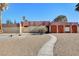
(0, 21)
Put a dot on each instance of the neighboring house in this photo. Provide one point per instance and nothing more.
(10, 28)
(53, 27)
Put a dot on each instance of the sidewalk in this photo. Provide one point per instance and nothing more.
(47, 49)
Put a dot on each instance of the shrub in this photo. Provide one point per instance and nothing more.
(42, 29)
(37, 29)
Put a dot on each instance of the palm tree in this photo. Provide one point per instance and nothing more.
(3, 6)
(77, 7)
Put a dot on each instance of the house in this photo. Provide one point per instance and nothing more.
(63, 27)
(36, 23)
(10, 28)
(53, 27)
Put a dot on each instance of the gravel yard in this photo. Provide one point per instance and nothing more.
(67, 44)
(28, 45)
(25, 45)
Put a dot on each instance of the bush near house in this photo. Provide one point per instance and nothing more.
(37, 29)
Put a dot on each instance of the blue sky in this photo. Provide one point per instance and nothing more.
(40, 11)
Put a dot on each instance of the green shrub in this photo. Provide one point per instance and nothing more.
(37, 29)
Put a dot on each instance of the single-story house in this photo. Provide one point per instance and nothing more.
(53, 27)
(61, 27)
(36, 23)
(10, 28)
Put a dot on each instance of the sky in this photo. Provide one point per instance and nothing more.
(40, 11)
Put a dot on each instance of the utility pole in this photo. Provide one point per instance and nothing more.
(20, 29)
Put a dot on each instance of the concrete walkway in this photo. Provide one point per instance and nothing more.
(47, 49)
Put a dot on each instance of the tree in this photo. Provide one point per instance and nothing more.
(9, 22)
(24, 19)
(77, 7)
(60, 18)
(3, 6)
(14, 21)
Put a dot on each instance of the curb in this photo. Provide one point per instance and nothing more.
(47, 48)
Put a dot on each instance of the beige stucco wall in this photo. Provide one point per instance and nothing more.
(16, 29)
(78, 29)
(11, 29)
(25, 29)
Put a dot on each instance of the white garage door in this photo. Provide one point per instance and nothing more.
(67, 29)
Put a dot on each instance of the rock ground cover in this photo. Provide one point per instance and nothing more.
(25, 45)
(67, 44)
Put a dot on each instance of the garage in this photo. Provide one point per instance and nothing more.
(60, 29)
(74, 28)
(53, 28)
(67, 29)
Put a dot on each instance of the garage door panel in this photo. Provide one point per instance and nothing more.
(60, 28)
(74, 29)
(54, 29)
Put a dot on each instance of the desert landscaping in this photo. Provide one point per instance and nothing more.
(29, 30)
(67, 44)
(25, 45)
(29, 44)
